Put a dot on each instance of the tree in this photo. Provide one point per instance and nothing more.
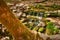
(14, 26)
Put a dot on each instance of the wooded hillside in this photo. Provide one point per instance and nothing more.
(14, 26)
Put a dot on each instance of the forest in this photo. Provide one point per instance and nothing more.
(29, 20)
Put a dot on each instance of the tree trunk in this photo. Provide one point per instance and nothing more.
(14, 26)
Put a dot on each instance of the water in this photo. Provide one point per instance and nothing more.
(41, 15)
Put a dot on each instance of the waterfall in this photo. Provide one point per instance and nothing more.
(40, 15)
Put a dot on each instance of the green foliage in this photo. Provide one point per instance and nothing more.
(54, 14)
(41, 29)
(45, 14)
(56, 30)
(38, 6)
(50, 26)
(35, 28)
(55, 6)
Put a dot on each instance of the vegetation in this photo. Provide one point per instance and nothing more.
(14, 26)
(51, 29)
(57, 7)
(33, 22)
